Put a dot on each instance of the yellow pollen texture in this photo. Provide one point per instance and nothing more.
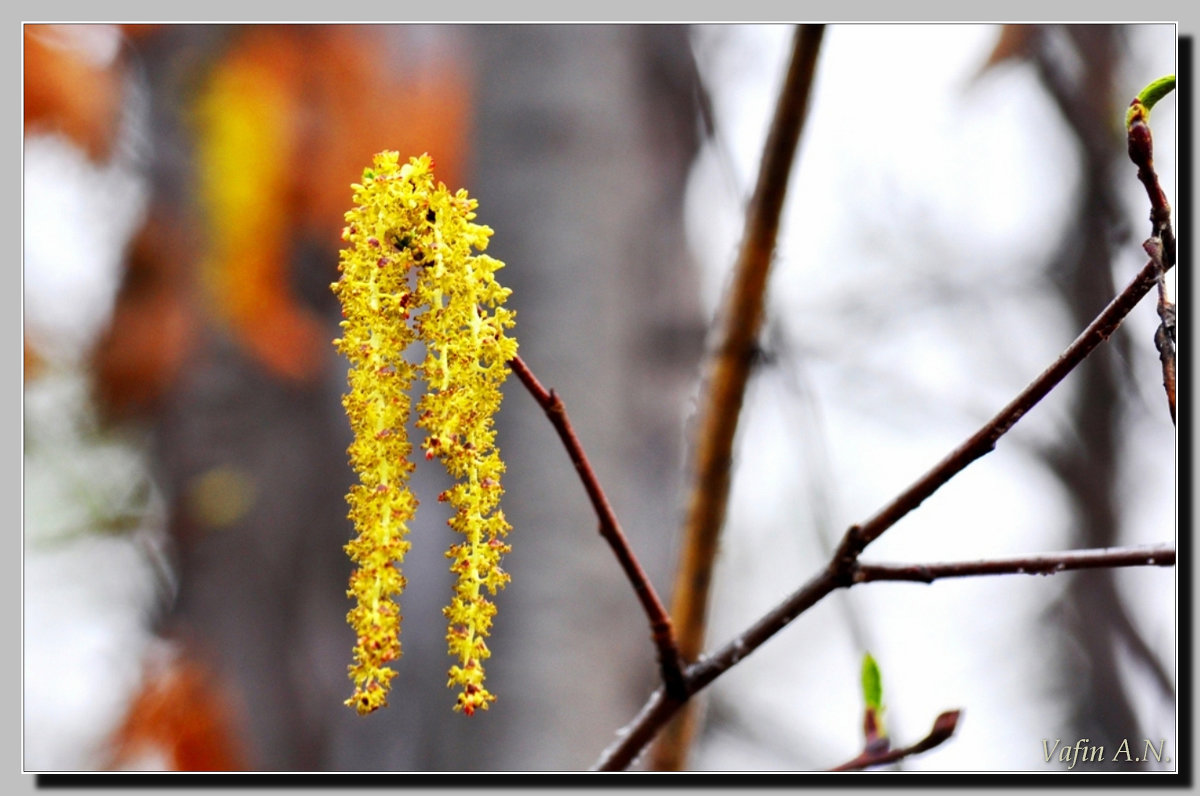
(409, 273)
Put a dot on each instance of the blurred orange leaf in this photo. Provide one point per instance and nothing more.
(246, 117)
(365, 98)
(288, 118)
(153, 325)
(32, 363)
(179, 722)
(68, 92)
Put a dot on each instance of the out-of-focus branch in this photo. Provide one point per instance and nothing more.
(943, 727)
(660, 622)
(840, 572)
(729, 372)
(1079, 66)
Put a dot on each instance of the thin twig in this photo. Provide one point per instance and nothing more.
(943, 727)
(1164, 341)
(660, 622)
(1161, 244)
(1141, 152)
(730, 370)
(839, 572)
(1044, 564)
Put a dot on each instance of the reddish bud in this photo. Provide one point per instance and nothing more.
(1141, 145)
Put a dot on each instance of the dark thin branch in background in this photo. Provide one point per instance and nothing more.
(943, 727)
(660, 622)
(839, 572)
(729, 371)
(1079, 67)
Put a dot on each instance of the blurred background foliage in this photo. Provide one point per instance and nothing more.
(185, 444)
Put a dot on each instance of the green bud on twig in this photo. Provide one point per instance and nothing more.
(872, 685)
(1139, 109)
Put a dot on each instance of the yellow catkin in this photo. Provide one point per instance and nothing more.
(410, 273)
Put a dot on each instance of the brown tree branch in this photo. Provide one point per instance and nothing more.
(1161, 244)
(1043, 564)
(1141, 152)
(839, 572)
(1164, 341)
(943, 727)
(729, 371)
(661, 629)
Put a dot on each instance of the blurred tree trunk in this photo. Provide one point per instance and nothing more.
(1089, 460)
(585, 136)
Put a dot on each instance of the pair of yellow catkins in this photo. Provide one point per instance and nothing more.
(409, 274)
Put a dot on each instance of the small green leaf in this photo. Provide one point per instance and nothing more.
(1139, 109)
(1156, 91)
(872, 684)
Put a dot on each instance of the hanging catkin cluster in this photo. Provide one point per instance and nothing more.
(408, 274)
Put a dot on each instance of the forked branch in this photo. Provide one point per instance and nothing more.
(844, 570)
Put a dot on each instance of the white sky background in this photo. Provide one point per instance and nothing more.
(880, 205)
(911, 180)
